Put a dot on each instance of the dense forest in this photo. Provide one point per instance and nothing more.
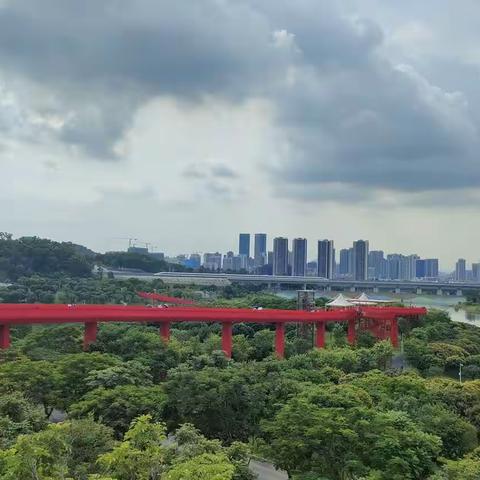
(135, 408)
(27, 256)
(339, 413)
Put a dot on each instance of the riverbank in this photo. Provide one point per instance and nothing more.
(472, 308)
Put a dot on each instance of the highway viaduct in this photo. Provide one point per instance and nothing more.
(274, 281)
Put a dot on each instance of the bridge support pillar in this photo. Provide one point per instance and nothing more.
(4, 337)
(459, 293)
(90, 335)
(351, 335)
(227, 340)
(320, 335)
(376, 289)
(328, 288)
(419, 291)
(394, 332)
(353, 289)
(439, 291)
(280, 340)
(397, 290)
(165, 331)
(304, 286)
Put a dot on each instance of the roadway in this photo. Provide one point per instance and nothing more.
(266, 471)
(344, 284)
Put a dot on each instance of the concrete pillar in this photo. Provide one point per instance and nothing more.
(439, 291)
(4, 337)
(304, 286)
(419, 291)
(394, 332)
(328, 288)
(376, 289)
(351, 336)
(353, 289)
(227, 340)
(90, 334)
(165, 331)
(320, 335)
(397, 290)
(459, 293)
(280, 340)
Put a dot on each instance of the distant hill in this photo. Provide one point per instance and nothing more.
(27, 256)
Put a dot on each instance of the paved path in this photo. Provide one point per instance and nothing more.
(265, 471)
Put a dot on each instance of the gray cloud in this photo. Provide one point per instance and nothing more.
(347, 115)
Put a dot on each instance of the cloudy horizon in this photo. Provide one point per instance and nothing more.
(184, 123)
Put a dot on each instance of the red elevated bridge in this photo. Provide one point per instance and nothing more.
(380, 321)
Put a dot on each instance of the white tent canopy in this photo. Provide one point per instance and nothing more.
(340, 301)
(364, 299)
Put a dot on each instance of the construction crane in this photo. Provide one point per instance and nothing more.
(131, 240)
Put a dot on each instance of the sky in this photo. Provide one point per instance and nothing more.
(184, 123)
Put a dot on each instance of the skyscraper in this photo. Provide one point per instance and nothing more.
(360, 259)
(343, 268)
(377, 264)
(299, 262)
(325, 258)
(280, 256)
(212, 261)
(244, 244)
(408, 266)
(431, 268)
(260, 249)
(461, 270)
(393, 266)
(476, 272)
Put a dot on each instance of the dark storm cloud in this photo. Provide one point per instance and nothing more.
(104, 59)
(346, 114)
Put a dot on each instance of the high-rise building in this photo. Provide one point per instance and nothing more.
(377, 264)
(312, 269)
(476, 272)
(228, 262)
(212, 261)
(299, 260)
(360, 259)
(429, 268)
(244, 244)
(325, 258)
(343, 267)
(280, 256)
(408, 267)
(393, 266)
(461, 270)
(270, 258)
(260, 249)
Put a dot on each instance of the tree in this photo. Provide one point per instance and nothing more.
(141, 455)
(333, 431)
(118, 407)
(73, 372)
(37, 380)
(18, 416)
(204, 467)
(128, 373)
(62, 450)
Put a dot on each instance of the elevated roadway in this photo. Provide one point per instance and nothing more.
(395, 286)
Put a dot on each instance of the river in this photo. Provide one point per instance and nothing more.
(442, 302)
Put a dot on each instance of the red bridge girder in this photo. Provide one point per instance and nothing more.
(91, 315)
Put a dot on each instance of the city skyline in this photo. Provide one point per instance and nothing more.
(287, 256)
(156, 145)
